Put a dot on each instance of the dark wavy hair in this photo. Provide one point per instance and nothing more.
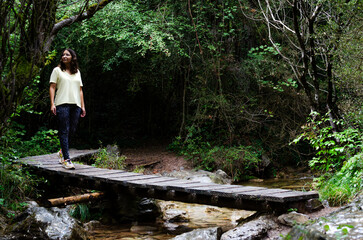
(74, 62)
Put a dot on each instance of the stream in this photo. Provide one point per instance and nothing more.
(200, 216)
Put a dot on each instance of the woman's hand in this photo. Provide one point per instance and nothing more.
(53, 109)
(83, 114)
(52, 88)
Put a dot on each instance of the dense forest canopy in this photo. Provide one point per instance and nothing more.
(226, 79)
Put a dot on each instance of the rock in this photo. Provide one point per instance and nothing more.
(175, 229)
(201, 234)
(175, 215)
(256, 229)
(113, 149)
(292, 218)
(143, 229)
(148, 210)
(313, 205)
(41, 223)
(91, 225)
(258, 180)
(345, 223)
(219, 177)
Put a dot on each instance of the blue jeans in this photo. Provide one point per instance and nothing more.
(68, 116)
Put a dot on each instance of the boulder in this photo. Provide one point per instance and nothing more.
(256, 229)
(91, 225)
(41, 223)
(219, 177)
(345, 223)
(201, 234)
(175, 229)
(175, 215)
(292, 218)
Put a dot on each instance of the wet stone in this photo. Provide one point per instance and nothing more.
(292, 218)
(345, 223)
(201, 234)
(41, 223)
(256, 229)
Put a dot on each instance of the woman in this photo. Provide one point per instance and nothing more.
(66, 101)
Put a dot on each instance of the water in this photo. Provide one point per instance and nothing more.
(299, 183)
(201, 216)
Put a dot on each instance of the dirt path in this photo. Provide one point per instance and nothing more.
(155, 159)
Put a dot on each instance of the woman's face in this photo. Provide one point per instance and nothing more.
(66, 57)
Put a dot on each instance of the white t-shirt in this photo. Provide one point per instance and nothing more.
(68, 87)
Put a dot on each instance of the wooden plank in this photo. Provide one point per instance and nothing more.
(108, 174)
(146, 183)
(263, 195)
(296, 196)
(31, 162)
(231, 192)
(171, 185)
(208, 189)
(126, 174)
(186, 187)
(126, 180)
(141, 177)
(94, 172)
(124, 177)
(161, 179)
(47, 164)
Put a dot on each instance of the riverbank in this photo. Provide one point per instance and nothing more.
(194, 216)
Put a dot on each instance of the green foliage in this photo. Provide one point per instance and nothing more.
(343, 186)
(14, 146)
(80, 212)
(15, 182)
(240, 162)
(110, 160)
(136, 30)
(139, 169)
(265, 64)
(338, 157)
(333, 148)
(15, 185)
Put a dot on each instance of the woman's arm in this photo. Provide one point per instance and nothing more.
(83, 114)
(52, 88)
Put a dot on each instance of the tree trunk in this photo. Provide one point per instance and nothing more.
(24, 45)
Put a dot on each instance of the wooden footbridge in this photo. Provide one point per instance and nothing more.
(168, 188)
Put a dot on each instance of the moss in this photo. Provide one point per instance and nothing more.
(24, 71)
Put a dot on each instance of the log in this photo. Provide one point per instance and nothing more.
(74, 199)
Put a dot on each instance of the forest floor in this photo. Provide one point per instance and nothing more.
(155, 158)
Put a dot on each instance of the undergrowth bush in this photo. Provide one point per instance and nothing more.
(333, 148)
(338, 158)
(16, 183)
(81, 212)
(109, 159)
(344, 185)
(14, 146)
(239, 162)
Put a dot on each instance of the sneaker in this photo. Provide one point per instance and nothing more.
(60, 156)
(67, 164)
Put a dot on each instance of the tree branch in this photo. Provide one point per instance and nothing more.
(91, 10)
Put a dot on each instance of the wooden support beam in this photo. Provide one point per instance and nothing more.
(74, 199)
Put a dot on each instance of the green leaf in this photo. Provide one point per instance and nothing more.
(326, 228)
